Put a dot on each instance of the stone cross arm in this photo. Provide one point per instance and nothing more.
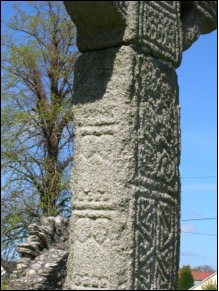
(162, 28)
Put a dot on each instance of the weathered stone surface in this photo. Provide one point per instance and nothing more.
(45, 272)
(126, 188)
(197, 17)
(125, 181)
(27, 249)
(162, 28)
(46, 268)
(51, 230)
(152, 25)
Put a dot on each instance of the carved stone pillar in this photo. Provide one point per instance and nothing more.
(126, 188)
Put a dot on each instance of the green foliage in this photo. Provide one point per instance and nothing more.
(4, 282)
(185, 280)
(38, 57)
(203, 268)
(3, 285)
(209, 286)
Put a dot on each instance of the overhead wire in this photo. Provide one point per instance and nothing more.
(199, 177)
(195, 219)
(205, 218)
(199, 233)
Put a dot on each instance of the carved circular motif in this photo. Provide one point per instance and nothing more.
(101, 230)
(83, 229)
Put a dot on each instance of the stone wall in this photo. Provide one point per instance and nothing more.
(43, 261)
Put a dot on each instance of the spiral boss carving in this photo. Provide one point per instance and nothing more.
(125, 182)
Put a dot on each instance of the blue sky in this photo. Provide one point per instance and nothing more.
(197, 77)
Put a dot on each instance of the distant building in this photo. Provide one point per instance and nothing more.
(203, 278)
(200, 276)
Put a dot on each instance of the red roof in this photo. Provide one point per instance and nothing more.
(200, 276)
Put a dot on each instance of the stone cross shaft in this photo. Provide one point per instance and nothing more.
(125, 227)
